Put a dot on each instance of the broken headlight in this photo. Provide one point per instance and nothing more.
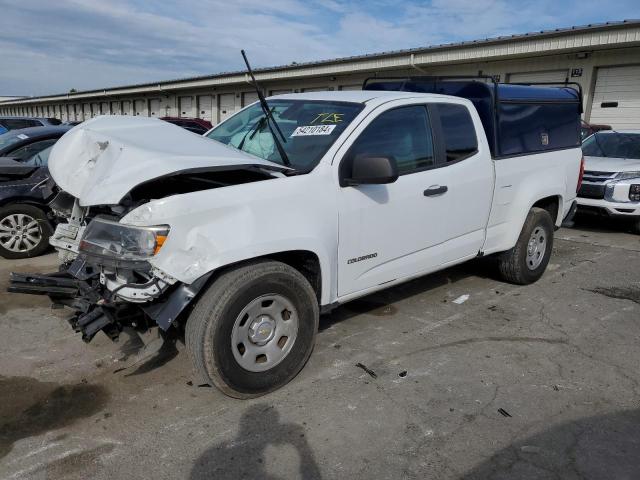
(123, 242)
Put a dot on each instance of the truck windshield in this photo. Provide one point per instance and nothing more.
(613, 145)
(309, 127)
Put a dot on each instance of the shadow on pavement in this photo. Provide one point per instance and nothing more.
(599, 447)
(246, 456)
(381, 303)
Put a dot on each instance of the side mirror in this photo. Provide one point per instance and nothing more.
(371, 170)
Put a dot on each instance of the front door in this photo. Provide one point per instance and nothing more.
(433, 215)
(385, 231)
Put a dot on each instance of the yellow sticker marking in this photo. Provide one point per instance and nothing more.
(328, 118)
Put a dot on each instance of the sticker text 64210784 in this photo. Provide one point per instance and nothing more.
(313, 130)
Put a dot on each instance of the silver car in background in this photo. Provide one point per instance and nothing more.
(611, 182)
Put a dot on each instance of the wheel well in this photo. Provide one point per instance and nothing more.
(551, 205)
(307, 263)
(304, 261)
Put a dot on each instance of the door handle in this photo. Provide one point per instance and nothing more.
(435, 190)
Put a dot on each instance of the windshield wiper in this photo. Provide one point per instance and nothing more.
(255, 128)
(268, 115)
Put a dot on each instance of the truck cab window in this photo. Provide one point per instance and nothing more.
(458, 131)
(402, 133)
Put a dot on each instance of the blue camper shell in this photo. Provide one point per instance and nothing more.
(518, 119)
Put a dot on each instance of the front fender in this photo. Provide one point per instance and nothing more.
(214, 228)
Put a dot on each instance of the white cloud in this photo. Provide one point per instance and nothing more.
(49, 47)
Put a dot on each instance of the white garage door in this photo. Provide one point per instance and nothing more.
(226, 105)
(555, 76)
(140, 107)
(126, 107)
(248, 98)
(616, 98)
(154, 107)
(185, 106)
(115, 108)
(205, 107)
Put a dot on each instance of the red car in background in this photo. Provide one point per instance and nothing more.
(195, 125)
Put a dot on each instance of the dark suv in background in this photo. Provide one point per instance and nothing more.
(14, 123)
(26, 221)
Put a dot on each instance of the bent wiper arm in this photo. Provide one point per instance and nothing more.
(267, 112)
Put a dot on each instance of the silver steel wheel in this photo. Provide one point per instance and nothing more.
(536, 248)
(264, 333)
(20, 232)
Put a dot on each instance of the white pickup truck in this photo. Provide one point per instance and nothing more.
(247, 239)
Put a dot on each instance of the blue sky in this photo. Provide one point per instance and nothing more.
(52, 46)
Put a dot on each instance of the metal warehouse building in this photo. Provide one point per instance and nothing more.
(603, 58)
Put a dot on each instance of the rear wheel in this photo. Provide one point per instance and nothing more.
(253, 329)
(24, 231)
(526, 262)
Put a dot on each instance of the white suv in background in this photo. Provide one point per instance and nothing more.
(611, 183)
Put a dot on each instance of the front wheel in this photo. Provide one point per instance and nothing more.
(24, 231)
(253, 329)
(526, 262)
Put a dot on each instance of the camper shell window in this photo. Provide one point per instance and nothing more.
(517, 119)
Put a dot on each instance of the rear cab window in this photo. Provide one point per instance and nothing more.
(458, 131)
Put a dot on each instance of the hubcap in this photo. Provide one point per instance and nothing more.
(264, 332)
(536, 248)
(19, 232)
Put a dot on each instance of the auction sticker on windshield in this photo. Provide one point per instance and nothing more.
(313, 130)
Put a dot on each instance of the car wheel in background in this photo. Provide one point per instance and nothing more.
(526, 262)
(24, 231)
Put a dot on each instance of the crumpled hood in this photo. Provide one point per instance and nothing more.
(101, 160)
(607, 164)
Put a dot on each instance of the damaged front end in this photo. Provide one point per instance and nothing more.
(106, 279)
(110, 290)
(105, 169)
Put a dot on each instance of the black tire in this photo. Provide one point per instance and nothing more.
(209, 328)
(512, 264)
(44, 226)
(636, 227)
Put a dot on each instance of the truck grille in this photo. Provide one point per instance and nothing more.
(598, 177)
(588, 190)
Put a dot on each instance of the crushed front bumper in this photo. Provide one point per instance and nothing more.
(83, 287)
